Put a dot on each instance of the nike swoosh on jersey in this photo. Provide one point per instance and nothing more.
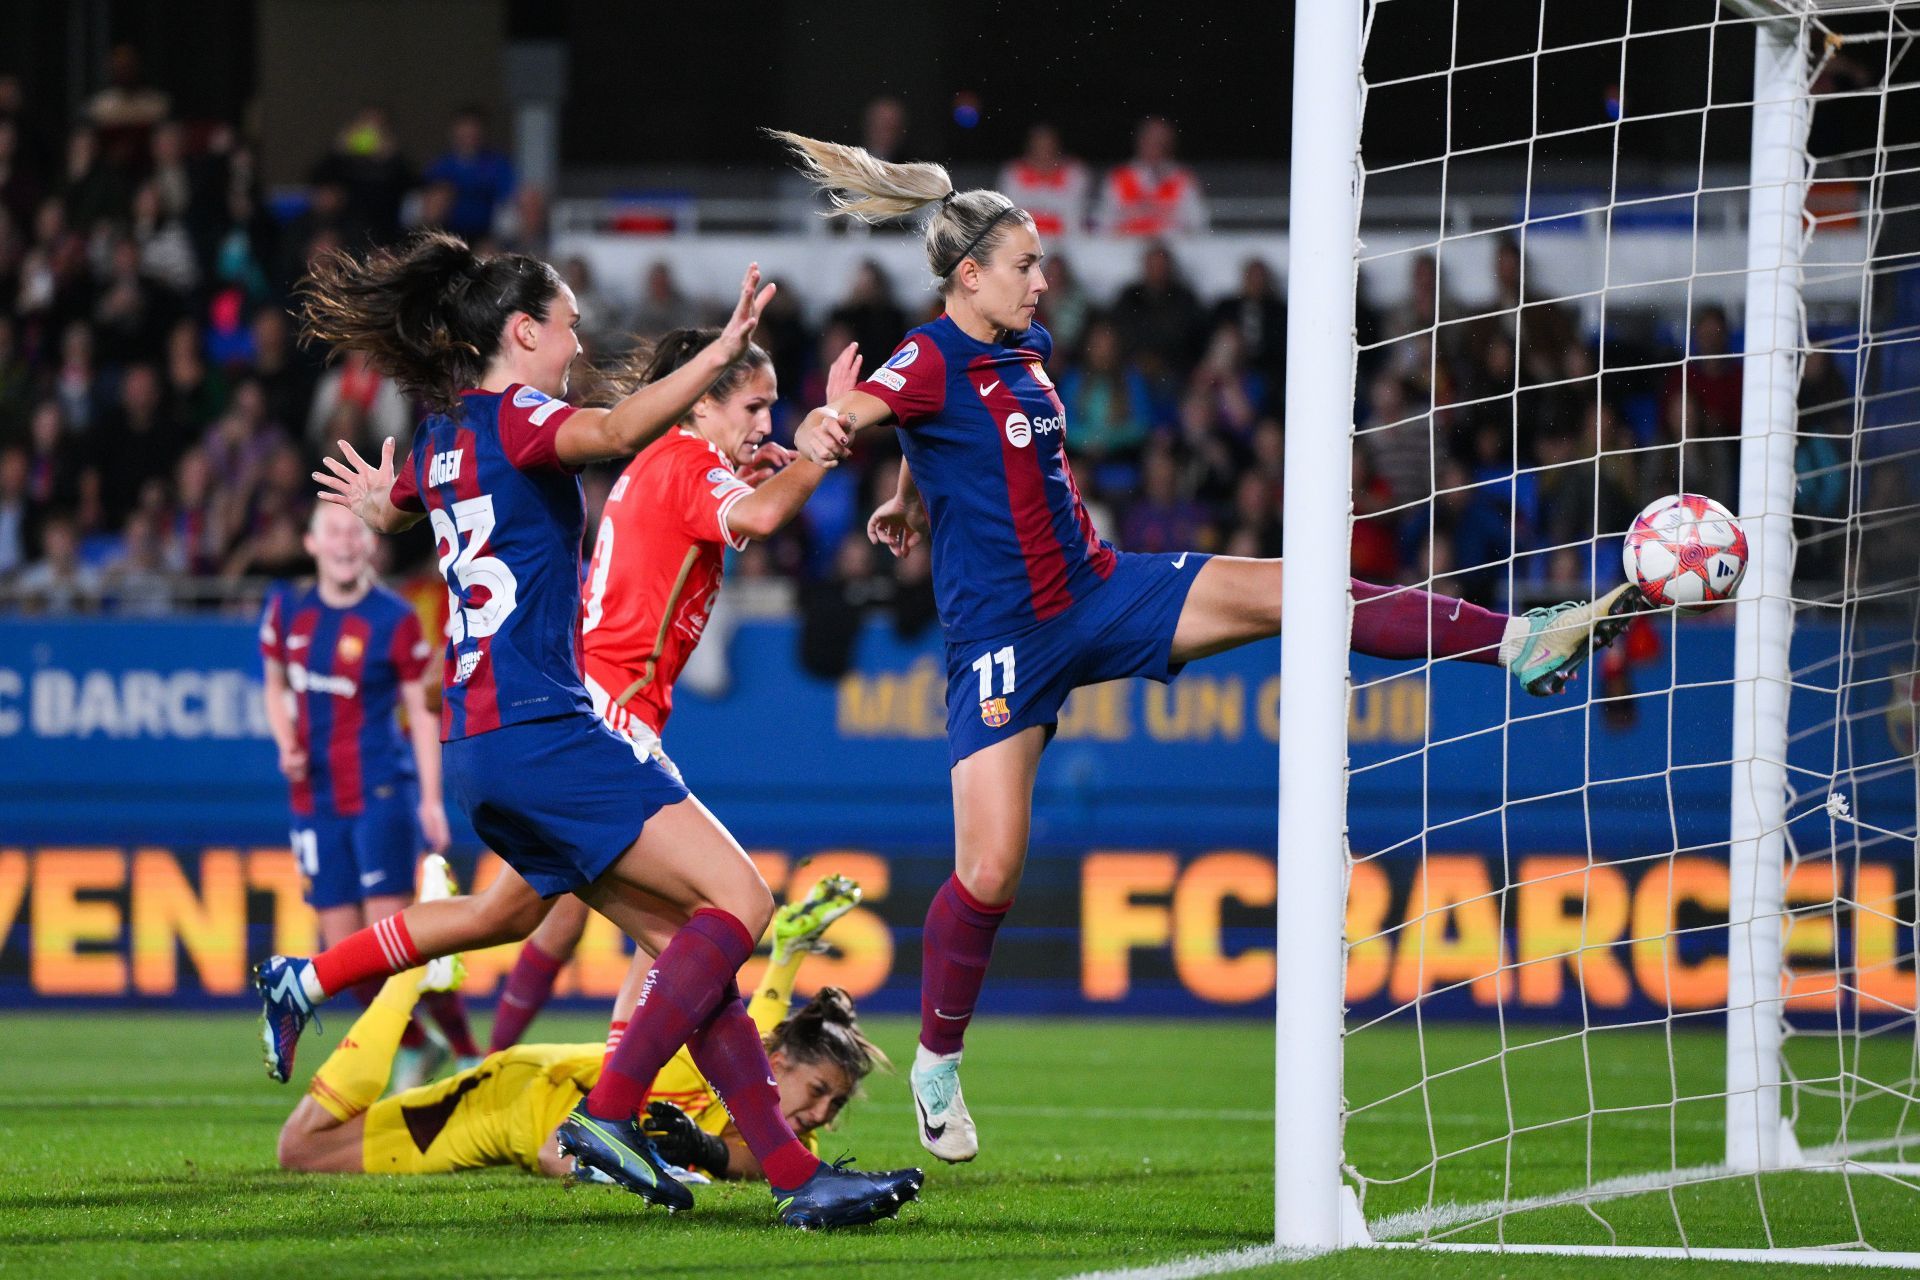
(1181, 563)
(988, 388)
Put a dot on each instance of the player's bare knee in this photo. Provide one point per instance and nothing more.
(754, 907)
(294, 1151)
(991, 884)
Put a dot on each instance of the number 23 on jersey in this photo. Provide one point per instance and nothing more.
(480, 588)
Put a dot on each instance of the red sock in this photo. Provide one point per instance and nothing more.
(956, 946)
(528, 988)
(685, 984)
(1405, 622)
(616, 1030)
(415, 1036)
(449, 1013)
(380, 950)
(730, 1055)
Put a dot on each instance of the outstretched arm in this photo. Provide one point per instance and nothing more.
(596, 435)
(827, 435)
(362, 488)
(768, 508)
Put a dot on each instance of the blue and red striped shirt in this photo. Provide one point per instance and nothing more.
(507, 517)
(345, 667)
(986, 436)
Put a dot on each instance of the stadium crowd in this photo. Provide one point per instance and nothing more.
(158, 418)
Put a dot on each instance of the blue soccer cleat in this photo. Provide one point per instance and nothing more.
(625, 1155)
(285, 1010)
(839, 1196)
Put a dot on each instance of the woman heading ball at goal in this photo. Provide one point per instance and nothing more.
(1035, 603)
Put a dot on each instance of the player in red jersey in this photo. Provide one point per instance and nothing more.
(658, 559)
(1034, 602)
(342, 654)
(488, 342)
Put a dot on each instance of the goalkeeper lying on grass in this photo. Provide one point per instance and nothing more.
(504, 1110)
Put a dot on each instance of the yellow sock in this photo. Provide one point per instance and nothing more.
(355, 1075)
(774, 996)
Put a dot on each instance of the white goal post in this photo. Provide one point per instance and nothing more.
(1786, 824)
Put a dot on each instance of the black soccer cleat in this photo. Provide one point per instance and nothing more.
(619, 1150)
(839, 1196)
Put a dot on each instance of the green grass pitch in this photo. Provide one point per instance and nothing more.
(143, 1145)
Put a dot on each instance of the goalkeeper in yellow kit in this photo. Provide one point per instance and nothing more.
(504, 1110)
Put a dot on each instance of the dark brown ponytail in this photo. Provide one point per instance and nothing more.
(429, 313)
(827, 1030)
(653, 361)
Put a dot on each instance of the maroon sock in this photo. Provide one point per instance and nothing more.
(681, 991)
(364, 992)
(728, 1051)
(955, 948)
(449, 1013)
(1406, 622)
(415, 1036)
(528, 988)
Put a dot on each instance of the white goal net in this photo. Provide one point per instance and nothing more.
(1634, 967)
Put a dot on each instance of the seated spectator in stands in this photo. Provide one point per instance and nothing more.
(21, 185)
(275, 551)
(1709, 380)
(1237, 393)
(243, 439)
(1047, 183)
(525, 227)
(1427, 307)
(198, 533)
(128, 109)
(196, 393)
(1260, 316)
(1211, 458)
(55, 286)
(1065, 309)
(599, 321)
(1398, 432)
(131, 316)
(375, 408)
(1542, 331)
(1375, 551)
(870, 313)
(16, 513)
(662, 305)
(1153, 194)
(94, 191)
(169, 174)
(429, 207)
(480, 176)
(137, 581)
(1162, 518)
(1270, 450)
(286, 373)
(53, 458)
(883, 130)
(58, 582)
(366, 163)
(1586, 499)
(78, 383)
(321, 225)
(134, 441)
(1108, 409)
(1256, 515)
(1159, 321)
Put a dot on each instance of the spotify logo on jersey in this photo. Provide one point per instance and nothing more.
(1019, 430)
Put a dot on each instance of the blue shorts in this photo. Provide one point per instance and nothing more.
(558, 798)
(346, 860)
(996, 688)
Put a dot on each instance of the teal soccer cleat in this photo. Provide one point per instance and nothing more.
(1561, 638)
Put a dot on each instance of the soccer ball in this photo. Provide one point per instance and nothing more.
(1686, 551)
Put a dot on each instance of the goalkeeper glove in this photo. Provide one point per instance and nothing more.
(680, 1141)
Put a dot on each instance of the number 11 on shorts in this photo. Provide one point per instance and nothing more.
(993, 710)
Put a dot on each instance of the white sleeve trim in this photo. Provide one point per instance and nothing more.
(727, 504)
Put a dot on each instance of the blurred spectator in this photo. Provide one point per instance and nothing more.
(1153, 194)
(77, 383)
(1256, 517)
(58, 582)
(133, 309)
(1106, 399)
(53, 463)
(16, 382)
(1375, 548)
(1064, 308)
(1047, 183)
(20, 183)
(1210, 461)
(285, 373)
(599, 321)
(833, 609)
(134, 442)
(1159, 319)
(15, 512)
(481, 178)
(169, 176)
(355, 401)
(1398, 433)
(1162, 519)
(95, 191)
(128, 107)
(137, 583)
(870, 313)
(662, 305)
(198, 534)
(241, 441)
(1541, 331)
(1260, 317)
(367, 165)
(1701, 409)
(1236, 393)
(883, 129)
(196, 394)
